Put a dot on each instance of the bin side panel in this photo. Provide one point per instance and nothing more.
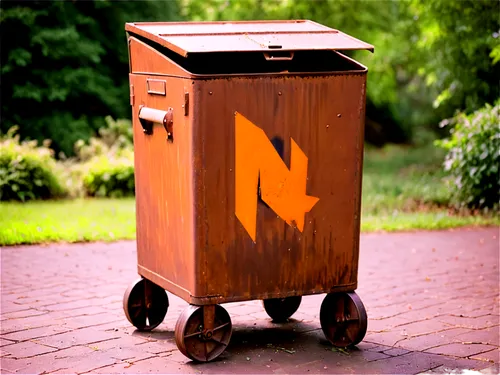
(324, 116)
(145, 59)
(163, 185)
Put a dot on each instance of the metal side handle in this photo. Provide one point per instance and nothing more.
(149, 116)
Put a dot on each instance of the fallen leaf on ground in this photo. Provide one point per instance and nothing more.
(289, 351)
(340, 350)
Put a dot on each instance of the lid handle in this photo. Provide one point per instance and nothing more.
(279, 55)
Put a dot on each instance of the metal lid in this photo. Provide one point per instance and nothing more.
(245, 36)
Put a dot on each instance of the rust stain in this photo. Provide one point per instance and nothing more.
(283, 189)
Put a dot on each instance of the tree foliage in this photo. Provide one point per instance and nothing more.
(432, 57)
(457, 45)
(65, 64)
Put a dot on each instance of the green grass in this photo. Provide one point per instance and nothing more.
(436, 219)
(402, 190)
(402, 178)
(71, 221)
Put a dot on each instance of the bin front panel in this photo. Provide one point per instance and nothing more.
(163, 183)
(244, 125)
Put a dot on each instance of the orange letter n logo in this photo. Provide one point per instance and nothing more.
(282, 189)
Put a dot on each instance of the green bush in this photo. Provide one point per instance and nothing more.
(110, 176)
(27, 171)
(473, 157)
(104, 166)
(112, 139)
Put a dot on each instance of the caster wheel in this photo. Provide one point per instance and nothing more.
(145, 304)
(280, 309)
(202, 333)
(343, 319)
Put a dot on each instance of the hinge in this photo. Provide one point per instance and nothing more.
(186, 103)
(132, 96)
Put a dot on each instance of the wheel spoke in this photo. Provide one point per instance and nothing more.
(192, 335)
(341, 330)
(146, 314)
(347, 303)
(136, 313)
(195, 340)
(220, 327)
(349, 336)
(142, 316)
(336, 332)
(353, 313)
(339, 311)
(343, 319)
(143, 296)
(352, 324)
(218, 341)
(351, 320)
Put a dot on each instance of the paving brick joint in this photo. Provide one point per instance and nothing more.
(432, 300)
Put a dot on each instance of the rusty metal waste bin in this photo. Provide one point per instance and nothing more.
(248, 140)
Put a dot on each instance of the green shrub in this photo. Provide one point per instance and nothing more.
(473, 157)
(110, 176)
(112, 139)
(27, 171)
(104, 166)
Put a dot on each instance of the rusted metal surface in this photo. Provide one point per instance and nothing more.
(189, 37)
(280, 309)
(145, 304)
(343, 319)
(220, 64)
(164, 186)
(208, 317)
(258, 194)
(145, 59)
(223, 27)
(283, 259)
(202, 333)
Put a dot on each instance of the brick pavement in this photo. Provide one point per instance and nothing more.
(432, 300)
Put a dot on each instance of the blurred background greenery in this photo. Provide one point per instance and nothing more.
(64, 77)
(65, 63)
